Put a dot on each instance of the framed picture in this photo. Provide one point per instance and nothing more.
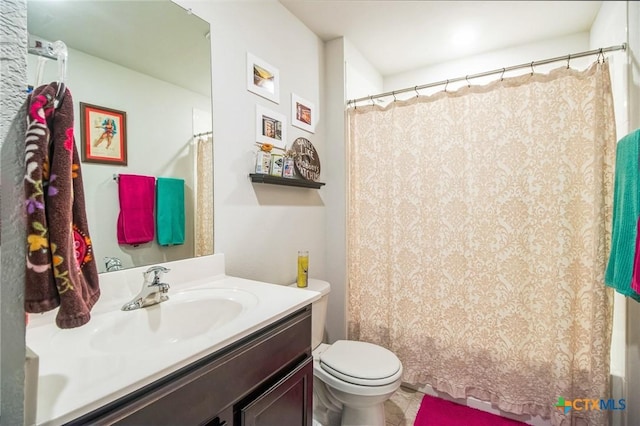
(263, 79)
(271, 127)
(303, 113)
(104, 135)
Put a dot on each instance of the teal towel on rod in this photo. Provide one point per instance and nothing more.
(170, 211)
(626, 209)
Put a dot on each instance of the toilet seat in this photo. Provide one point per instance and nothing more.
(361, 363)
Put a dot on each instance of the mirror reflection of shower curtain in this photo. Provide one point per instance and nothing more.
(204, 197)
(478, 226)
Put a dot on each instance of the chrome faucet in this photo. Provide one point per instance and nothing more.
(152, 292)
(112, 264)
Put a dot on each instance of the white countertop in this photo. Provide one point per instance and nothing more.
(76, 376)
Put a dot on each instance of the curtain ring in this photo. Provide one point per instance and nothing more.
(600, 55)
(568, 60)
(394, 96)
(445, 86)
(416, 90)
(467, 78)
(502, 75)
(371, 99)
(532, 68)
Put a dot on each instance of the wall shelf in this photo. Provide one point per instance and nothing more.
(277, 180)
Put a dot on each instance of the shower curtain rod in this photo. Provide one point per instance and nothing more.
(567, 58)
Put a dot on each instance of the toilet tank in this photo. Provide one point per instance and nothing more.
(318, 309)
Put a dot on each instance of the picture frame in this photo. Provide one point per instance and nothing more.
(103, 135)
(303, 113)
(263, 79)
(271, 127)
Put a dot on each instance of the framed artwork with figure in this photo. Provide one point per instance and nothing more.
(103, 135)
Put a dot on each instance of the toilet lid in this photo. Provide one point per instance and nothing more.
(361, 363)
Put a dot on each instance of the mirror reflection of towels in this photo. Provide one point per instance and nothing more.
(135, 221)
(170, 217)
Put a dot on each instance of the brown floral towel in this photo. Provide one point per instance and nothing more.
(60, 269)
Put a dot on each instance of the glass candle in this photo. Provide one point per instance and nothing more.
(303, 268)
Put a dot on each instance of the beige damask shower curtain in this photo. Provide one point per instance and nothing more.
(204, 197)
(479, 223)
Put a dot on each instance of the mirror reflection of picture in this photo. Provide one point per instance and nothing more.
(270, 127)
(263, 79)
(104, 138)
(303, 113)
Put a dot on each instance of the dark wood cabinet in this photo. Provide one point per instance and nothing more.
(264, 379)
(281, 404)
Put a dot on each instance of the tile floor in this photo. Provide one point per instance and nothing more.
(401, 409)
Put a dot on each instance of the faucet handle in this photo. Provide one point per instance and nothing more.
(155, 272)
(112, 263)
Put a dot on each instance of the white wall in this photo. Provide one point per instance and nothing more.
(159, 143)
(362, 78)
(617, 22)
(633, 312)
(609, 29)
(349, 75)
(335, 193)
(261, 227)
(503, 58)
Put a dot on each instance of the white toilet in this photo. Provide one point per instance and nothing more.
(349, 376)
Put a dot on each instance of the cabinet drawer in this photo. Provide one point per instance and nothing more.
(196, 394)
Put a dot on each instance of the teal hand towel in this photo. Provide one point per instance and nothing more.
(170, 211)
(626, 209)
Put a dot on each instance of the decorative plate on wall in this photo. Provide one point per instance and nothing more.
(306, 159)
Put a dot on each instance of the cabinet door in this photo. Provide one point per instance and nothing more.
(288, 402)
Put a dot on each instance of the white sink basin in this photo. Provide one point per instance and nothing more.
(187, 315)
(118, 352)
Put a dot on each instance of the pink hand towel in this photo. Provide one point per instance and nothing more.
(635, 277)
(137, 197)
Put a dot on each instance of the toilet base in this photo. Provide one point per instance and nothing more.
(345, 403)
(370, 416)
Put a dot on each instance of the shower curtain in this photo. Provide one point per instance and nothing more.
(478, 227)
(204, 197)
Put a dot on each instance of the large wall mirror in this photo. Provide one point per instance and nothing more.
(152, 61)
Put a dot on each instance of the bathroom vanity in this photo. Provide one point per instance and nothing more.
(265, 379)
(221, 351)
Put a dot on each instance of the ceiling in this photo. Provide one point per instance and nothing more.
(133, 34)
(394, 35)
(397, 36)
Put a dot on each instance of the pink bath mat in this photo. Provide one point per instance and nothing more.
(440, 412)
